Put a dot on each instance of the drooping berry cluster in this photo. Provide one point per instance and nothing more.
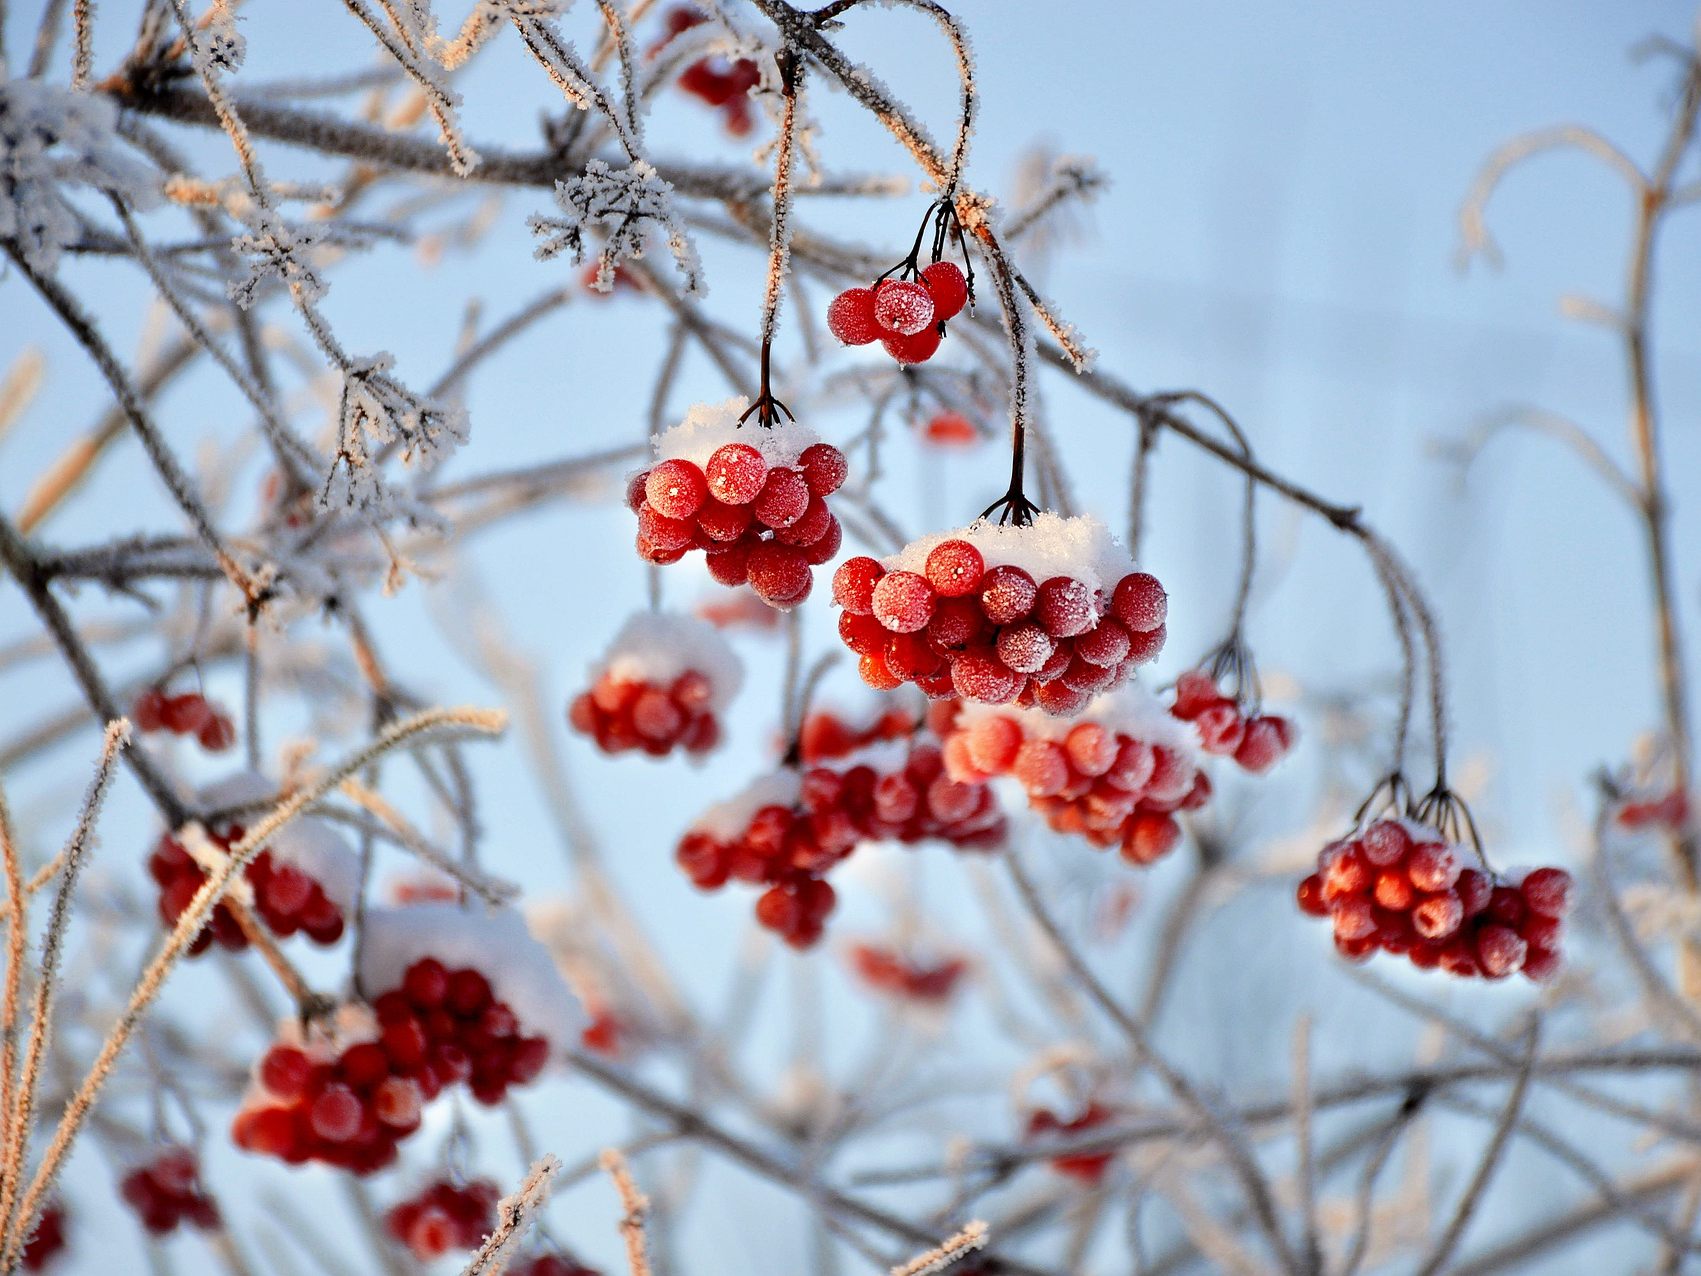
(891, 972)
(1087, 1167)
(188, 714)
(1398, 887)
(661, 685)
(48, 1240)
(906, 315)
(167, 1192)
(444, 1216)
(719, 82)
(1256, 741)
(787, 830)
(753, 499)
(1114, 776)
(286, 898)
(348, 1097)
(1048, 614)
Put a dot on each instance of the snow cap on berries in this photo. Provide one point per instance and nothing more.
(494, 942)
(656, 647)
(1081, 547)
(313, 845)
(728, 820)
(708, 426)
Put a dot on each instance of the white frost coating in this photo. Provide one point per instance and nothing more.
(708, 426)
(727, 820)
(1082, 547)
(311, 844)
(656, 647)
(1129, 709)
(496, 943)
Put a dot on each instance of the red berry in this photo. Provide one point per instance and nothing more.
(1064, 606)
(729, 565)
(335, 1114)
(954, 568)
(735, 473)
(903, 307)
(1220, 729)
(1385, 843)
(1548, 891)
(1105, 644)
(1025, 648)
(914, 349)
(283, 1070)
(1266, 742)
(980, 675)
(1438, 916)
(1007, 594)
(854, 582)
(948, 286)
(1139, 602)
(666, 534)
(783, 499)
(850, 317)
(992, 744)
(874, 671)
(1433, 867)
(1500, 951)
(824, 468)
(426, 983)
(1310, 896)
(1149, 837)
(778, 573)
(903, 601)
(676, 488)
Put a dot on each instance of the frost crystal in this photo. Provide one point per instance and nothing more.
(50, 139)
(625, 204)
(273, 248)
(378, 408)
(222, 44)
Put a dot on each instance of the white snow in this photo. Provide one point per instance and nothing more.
(495, 942)
(727, 820)
(313, 845)
(708, 426)
(656, 647)
(1082, 547)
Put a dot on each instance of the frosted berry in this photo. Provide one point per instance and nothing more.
(854, 582)
(1007, 594)
(1139, 602)
(1064, 606)
(676, 489)
(954, 568)
(851, 319)
(918, 348)
(903, 307)
(824, 468)
(980, 675)
(903, 601)
(1025, 648)
(1547, 891)
(783, 499)
(948, 286)
(735, 473)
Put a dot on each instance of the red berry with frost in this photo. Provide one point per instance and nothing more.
(1385, 843)
(1309, 896)
(948, 286)
(1438, 916)
(1433, 867)
(783, 499)
(1547, 891)
(1064, 607)
(980, 675)
(723, 523)
(1149, 837)
(1025, 648)
(729, 565)
(735, 473)
(954, 568)
(993, 743)
(903, 601)
(850, 317)
(824, 468)
(1007, 594)
(1221, 729)
(1105, 644)
(1499, 951)
(903, 307)
(1139, 602)
(918, 348)
(1267, 741)
(854, 582)
(676, 488)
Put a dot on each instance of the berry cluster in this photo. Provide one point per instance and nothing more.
(1668, 811)
(1088, 1167)
(444, 1216)
(188, 714)
(286, 898)
(48, 1240)
(886, 970)
(787, 830)
(1115, 776)
(754, 501)
(1256, 742)
(721, 83)
(960, 615)
(350, 1108)
(950, 429)
(660, 687)
(905, 315)
(1399, 887)
(167, 1192)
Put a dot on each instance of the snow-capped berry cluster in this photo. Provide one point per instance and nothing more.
(752, 498)
(1048, 614)
(188, 714)
(1115, 776)
(286, 897)
(486, 1016)
(891, 972)
(1087, 1167)
(1257, 741)
(787, 830)
(1398, 887)
(167, 1192)
(905, 315)
(723, 83)
(48, 1240)
(662, 685)
(444, 1216)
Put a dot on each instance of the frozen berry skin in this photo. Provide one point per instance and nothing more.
(850, 317)
(1064, 607)
(808, 529)
(954, 568)
(1548, 891)
(1024, 648)
(903, 602)
(980, 675)
(1309, 896)
(783, 499)
(1007, 595)
(826, 549)
(854, 582)
(778, 573)
(1385, 843)
(1106, 643)
(676, 488)
(903, 307)
(1267, 741)
(1150, 837)
(1139, 602)
(918, 348)
(723, 523)
(729, 565)
(824, 468)
(735, 474)
(949, 288)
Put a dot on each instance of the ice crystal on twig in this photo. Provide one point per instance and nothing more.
(376, 408)
(50, 139)
(272, 248)
(220, 40)
(626, 204)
